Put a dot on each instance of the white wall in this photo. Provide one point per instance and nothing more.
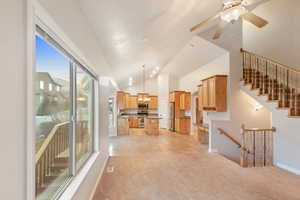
(151, 87)
(13, 101)
(280, 38)
(219, 66)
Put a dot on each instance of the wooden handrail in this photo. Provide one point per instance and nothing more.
(47, 141)
(230, 137)
(273, 129)
(273, 61)
(234, 140)
(260, 129)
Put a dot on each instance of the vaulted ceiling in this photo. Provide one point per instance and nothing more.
(134, 32)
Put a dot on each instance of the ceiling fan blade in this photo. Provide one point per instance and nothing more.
(254, 19)
(204, 22)
(250, 2)
(220, 30)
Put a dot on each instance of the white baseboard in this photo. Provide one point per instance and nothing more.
(99, 178)
(213, 151)
(288, 168)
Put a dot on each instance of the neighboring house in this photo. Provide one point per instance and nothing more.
(49, 95)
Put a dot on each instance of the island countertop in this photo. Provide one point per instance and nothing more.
(153, 117)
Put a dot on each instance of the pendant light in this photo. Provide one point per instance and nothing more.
(144, 98)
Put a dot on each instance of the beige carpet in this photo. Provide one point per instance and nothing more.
(175, 167)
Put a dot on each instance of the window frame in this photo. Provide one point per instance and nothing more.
(52, 39)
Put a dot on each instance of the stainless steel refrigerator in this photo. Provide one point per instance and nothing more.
(172, 116)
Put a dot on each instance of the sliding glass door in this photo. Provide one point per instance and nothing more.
(52, 103)
(64, 103)
(84, 115)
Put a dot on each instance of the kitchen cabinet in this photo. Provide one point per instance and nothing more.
(200, 97)
(133, 122)
(172, 97)
(153, 104)
(121, 100)
(183, 125)
(185, 101)
(127, 98)
(152, 126)
(213, 94)
(123, 127)
(142, 97)
(205, 93)
(132, 102)
(175, 98)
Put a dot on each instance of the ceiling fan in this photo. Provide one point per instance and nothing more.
(232, 11)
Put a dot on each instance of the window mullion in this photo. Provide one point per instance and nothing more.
(73, 119)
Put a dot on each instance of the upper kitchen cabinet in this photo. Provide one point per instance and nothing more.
(172, 97)
(153, 104)
(132, 102)
(141, 98)
(200, 97)
(213, 94)
(121, 100)
(185, 101)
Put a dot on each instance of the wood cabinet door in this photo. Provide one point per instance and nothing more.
(182, 101)
(121, 100)
(212, 92)
(127, 101)
(153, 104)
(133, 102)
(177, 125)
(172, 97)
(200, 98)
(187, 102)
(205, 93)
(134, 123)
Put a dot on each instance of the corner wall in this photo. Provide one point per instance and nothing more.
(13, 99)
(280, 39)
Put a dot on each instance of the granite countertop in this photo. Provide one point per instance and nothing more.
(202, 125)
(153, 117)
(137, 115)
(185, 117)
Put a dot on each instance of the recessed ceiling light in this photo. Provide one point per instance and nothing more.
(157, 68)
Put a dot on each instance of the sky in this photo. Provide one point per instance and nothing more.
(48, 59)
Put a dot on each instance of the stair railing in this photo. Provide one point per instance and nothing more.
(279, 82)
(223, 132)
(56, 143)
(260, 143)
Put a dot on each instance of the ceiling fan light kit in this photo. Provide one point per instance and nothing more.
(232, 11)
(233, 14)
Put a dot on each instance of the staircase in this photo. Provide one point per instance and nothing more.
(256, 146)
(280, 83)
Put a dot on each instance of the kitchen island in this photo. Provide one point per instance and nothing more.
(123, 126)
(152, 125)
